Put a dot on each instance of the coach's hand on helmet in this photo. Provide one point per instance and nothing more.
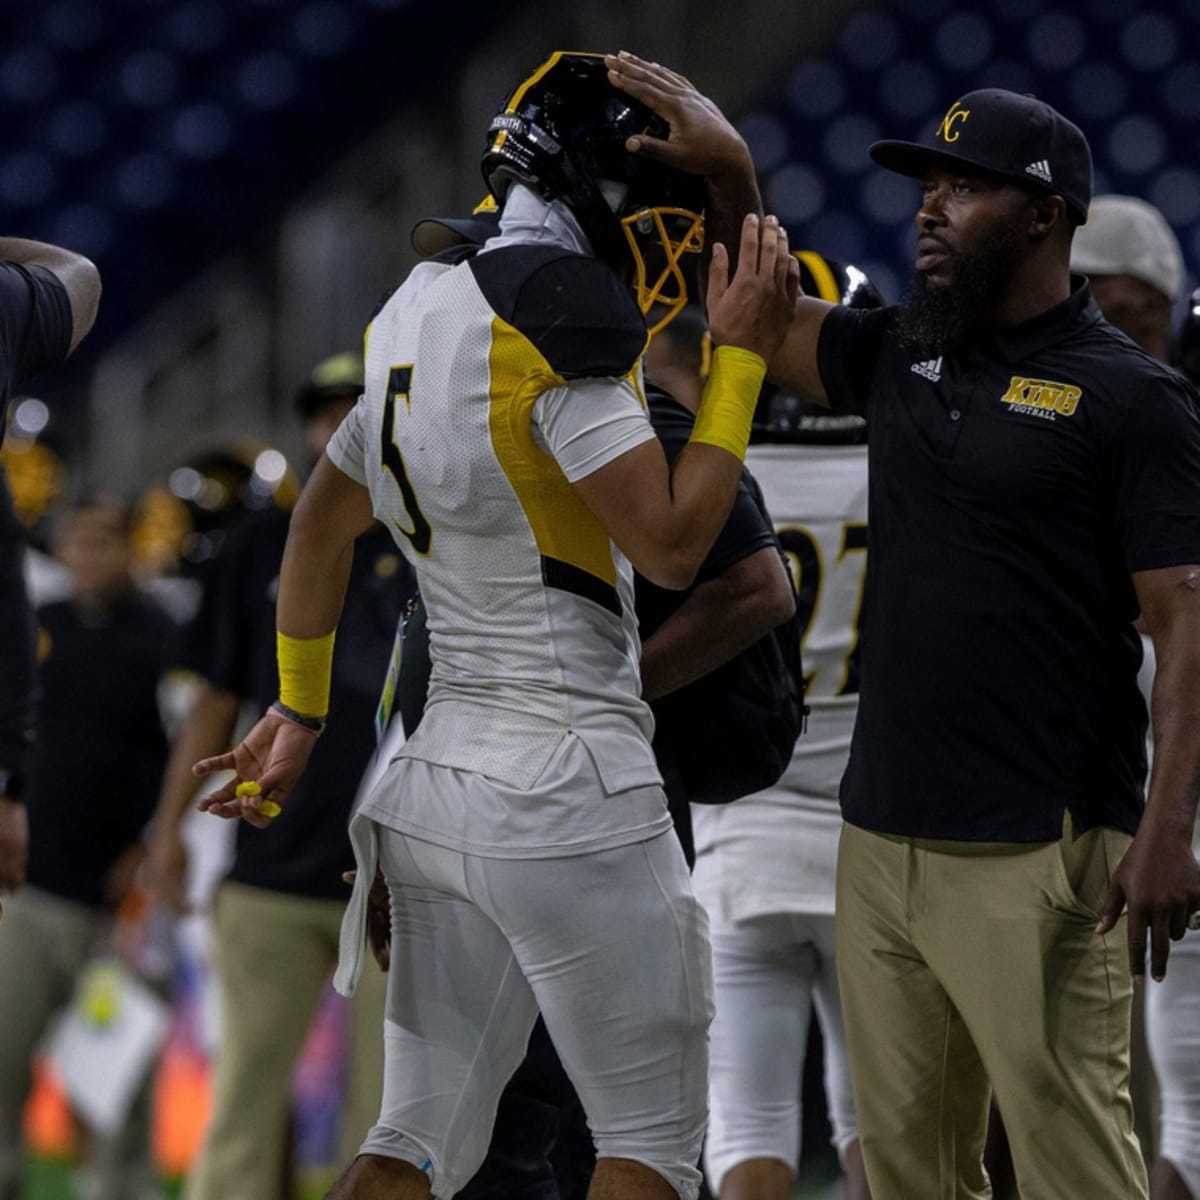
(266, 765)
(755, 308)
(702, 139)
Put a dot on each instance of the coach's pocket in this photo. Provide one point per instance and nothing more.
(1086, 862)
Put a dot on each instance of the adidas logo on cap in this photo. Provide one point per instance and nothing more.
(1041, 170)
(931, 370)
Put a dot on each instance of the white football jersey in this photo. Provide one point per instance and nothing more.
(776, 851)
(490, 386)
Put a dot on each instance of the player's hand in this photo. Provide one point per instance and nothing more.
(379, 918)
(1159, 881)
(164, 873)
(701, 139)
(269, 761)
(755, 308)
(14, 844)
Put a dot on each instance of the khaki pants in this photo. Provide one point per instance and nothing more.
(45, 942)
(273, 955)
(961, 963)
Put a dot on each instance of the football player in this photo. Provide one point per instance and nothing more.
(523, 832)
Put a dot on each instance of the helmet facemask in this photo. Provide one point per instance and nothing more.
(666, 234)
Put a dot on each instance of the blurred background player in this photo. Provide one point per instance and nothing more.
(183, 522)
(277, 914)
(765, 865)
(1135, 265)
(100, 754)
(48, 300)
(39, 482)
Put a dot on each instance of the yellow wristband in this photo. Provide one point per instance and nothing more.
(729, 400)
(305, 668)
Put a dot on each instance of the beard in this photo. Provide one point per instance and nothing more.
(934, 318)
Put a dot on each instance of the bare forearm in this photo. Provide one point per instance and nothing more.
(332, 511)
(718, 620)
(731, 195)
(1175, 713)
(312, 583)
(703, 485)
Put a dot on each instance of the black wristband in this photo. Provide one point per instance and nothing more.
(312, 724)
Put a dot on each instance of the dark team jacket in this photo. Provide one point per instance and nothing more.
(1016, 481)
(231, 643)
(101, 749)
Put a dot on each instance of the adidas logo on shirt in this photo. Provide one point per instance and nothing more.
(1041, 170)
(931, 370)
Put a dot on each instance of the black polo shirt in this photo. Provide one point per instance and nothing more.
(231, 643)
(1015, 483)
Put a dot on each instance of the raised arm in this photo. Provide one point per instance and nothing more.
(665, 518)
(332, 511)
(77, 274)
(1158, 879)
(704, 142)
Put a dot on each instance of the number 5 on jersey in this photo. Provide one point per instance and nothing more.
(399, 387)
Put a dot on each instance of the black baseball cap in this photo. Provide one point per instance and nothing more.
(1016, 136)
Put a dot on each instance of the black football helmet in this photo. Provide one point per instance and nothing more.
(180, 528)
(562, 133)
(1189, 340)
(782, 417)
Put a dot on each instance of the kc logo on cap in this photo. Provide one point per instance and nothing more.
(956, 115)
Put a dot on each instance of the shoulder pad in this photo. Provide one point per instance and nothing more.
(581, 318)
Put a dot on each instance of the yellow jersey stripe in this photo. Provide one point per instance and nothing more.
(563, 527)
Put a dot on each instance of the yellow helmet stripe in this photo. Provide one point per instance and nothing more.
(826, 284)
(540, 73)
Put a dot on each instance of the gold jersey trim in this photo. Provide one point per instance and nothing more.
(563, 527)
